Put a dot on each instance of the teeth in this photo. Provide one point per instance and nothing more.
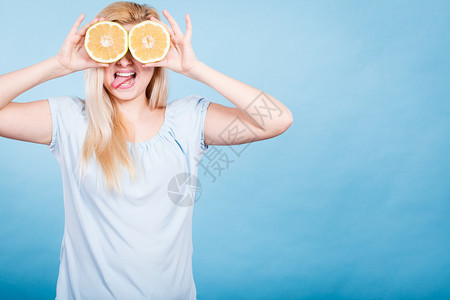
(124, 74)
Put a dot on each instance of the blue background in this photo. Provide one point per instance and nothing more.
(352, 202)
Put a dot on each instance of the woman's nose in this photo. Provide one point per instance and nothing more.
(126, 60)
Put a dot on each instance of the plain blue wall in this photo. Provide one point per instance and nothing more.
(351, 202)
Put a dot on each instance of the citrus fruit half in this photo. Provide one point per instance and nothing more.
(106, 41)
(149, 42)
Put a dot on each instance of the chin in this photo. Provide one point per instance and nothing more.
(124, 96)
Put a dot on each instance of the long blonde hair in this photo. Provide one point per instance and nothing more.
(106, 132)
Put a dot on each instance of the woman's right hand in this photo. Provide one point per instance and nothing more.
(73, 56)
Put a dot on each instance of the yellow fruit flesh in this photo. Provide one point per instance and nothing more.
(106, 42)
(149, 42)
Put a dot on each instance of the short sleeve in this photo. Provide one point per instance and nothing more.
(201, 109)
(190, 115)
(67, 113)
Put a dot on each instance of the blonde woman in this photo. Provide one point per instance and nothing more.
(118, 150)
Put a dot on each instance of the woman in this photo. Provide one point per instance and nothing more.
(125, 237)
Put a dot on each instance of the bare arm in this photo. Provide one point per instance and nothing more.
(257, 115)
(31, 121)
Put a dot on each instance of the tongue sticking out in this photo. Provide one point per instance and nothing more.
(120, 80)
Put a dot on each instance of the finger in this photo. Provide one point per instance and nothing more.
(75, 26)
(94, 64)
(188, 27)
(152, 18)
(160, 63)
(173, 23)
(83, 29)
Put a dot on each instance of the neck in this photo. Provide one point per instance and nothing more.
(133, 110)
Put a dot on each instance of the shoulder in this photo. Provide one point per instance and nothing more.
(187, 102)
(67, 111)
(189, 106)
(64, 104)
(187, 115)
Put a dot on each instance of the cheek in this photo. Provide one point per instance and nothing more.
(108, 77)
(147, 75)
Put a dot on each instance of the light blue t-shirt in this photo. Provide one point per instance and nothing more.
(137, 245)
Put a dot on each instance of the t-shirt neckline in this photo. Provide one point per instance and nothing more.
(159, 133)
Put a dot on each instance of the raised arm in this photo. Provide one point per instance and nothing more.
(31, 121)
(257, 115)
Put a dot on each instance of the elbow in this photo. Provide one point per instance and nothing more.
(283, 123)
(287, 121)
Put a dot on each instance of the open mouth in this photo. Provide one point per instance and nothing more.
(123, 79)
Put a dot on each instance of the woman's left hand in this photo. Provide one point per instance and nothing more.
(181, 57)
